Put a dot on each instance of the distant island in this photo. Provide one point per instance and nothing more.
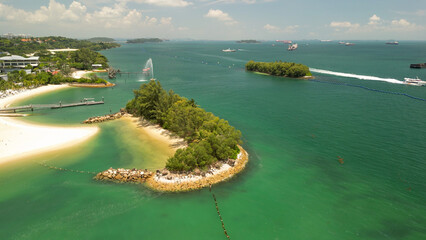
(101, 40)
(144, 40)
(248, 41)
(279, 68)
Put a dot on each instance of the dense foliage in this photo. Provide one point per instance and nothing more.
(283, 69)
(144, 40)
(210, 138)
(80, 59)
(101, 39)
(19, 79)
(20, 46)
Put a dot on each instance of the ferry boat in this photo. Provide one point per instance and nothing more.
(293, 47)
(393, 43)
(229, 50)
(349, 44)
(414, 81)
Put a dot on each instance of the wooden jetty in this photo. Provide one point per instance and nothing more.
(31, 107)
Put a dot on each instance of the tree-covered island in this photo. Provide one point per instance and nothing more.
(279, 68)
(144, 40)
(210, 139)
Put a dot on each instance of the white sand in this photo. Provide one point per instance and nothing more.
(80, 73)
(19, 139)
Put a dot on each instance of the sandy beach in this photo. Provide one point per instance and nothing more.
(157, 132)
(19, 139)
(80, 73)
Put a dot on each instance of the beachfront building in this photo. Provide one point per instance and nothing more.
(16, 61)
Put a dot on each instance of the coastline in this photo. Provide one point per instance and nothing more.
(156, 132)
(189, 182)
(303, 78)
(20, 139)
(163, 180)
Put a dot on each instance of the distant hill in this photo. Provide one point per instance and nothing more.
(248, 41)
(101, 39)
(144, 40)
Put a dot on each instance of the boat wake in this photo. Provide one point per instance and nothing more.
(142, 80)
(362, 77)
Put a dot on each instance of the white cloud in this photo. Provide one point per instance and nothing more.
(163, 3)
(275, 29)
(59, 18)
(221, 16)
(166, 21)
(374, 20)
(401, 23)
(343, 25)
(271, 28)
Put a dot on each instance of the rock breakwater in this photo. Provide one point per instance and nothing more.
(107, 117)
(218, 172)
(122, 175)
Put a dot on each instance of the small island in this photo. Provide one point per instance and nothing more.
(248, 41)
(212, 152)
(144, 40)
(101, 40)
(279, 68)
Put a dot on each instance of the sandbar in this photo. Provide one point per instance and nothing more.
(19, 139)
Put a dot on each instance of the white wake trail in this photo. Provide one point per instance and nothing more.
(351, 75)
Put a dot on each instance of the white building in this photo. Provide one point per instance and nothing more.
(16, 61)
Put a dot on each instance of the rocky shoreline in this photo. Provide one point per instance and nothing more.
(166, 181)
(122, 175)
(107, 117)
(93, 85)
(221, 171)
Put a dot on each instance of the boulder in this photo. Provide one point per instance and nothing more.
(197, 172)
(165, 172)
(231, 162)
(118, 177)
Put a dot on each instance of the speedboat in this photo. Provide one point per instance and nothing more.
(414, 81)
(229, 50)
(292, 47)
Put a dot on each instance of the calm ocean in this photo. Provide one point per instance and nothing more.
(294, 130)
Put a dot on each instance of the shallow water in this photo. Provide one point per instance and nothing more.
(294, 186)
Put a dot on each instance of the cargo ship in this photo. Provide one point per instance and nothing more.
(418, 65)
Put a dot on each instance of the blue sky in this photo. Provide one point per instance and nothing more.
(218, 19)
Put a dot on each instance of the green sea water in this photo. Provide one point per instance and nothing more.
(294, 130)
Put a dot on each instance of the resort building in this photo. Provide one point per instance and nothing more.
(16, 61)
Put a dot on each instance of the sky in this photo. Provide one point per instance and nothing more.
(218, 19)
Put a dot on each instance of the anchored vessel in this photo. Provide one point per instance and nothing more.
(414, 81)
(418, 65)
(393, 43)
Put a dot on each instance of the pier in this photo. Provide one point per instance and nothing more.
(32, 107)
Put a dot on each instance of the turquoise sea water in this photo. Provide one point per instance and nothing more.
(294, 130)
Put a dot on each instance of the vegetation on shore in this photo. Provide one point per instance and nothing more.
(144, 40)
(81, 59)
(20, 46)
(101, 40)
(279, 68)
(19, 79)
(210, 138)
